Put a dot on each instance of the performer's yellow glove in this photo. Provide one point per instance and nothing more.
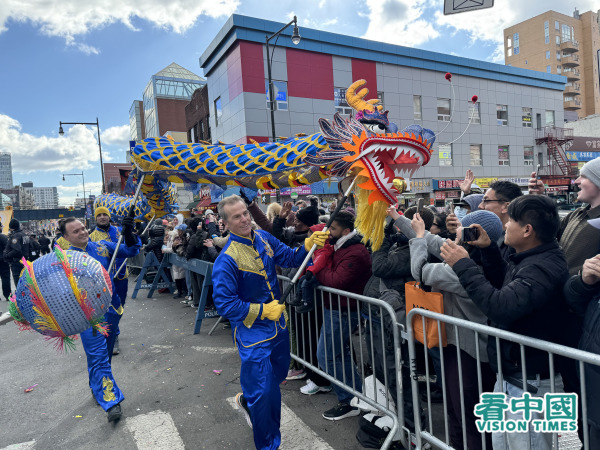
(318, 237)
(272, 310)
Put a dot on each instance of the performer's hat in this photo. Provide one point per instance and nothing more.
(101, 210)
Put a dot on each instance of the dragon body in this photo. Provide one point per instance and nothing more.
(368, 146)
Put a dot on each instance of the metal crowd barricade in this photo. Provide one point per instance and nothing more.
(552, 349)
(373, 311)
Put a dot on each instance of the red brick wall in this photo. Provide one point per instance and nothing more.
(171, 115)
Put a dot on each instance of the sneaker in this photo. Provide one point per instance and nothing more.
(5, 318)
(305, 307)
(312, 389)
(185, 302)
(114, 413)
(193, 306)
(437, 395)
(341, 411)
(116, 350)
(178, 295)
(188, 298)
(295, 374)
(241, 402)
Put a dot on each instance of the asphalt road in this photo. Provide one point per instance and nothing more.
(173, 399)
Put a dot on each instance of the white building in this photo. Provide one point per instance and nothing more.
(44, 197)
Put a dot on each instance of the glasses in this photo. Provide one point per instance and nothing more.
(486, 200)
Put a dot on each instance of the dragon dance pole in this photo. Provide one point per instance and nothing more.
(340, 205)
(145, 229)
(131, 214)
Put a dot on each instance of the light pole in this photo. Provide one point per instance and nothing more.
(61, 132)
(84, 197)
(295, 41)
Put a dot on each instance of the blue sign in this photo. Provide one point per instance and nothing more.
(582, 156)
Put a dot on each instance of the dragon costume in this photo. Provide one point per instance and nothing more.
(368, 146)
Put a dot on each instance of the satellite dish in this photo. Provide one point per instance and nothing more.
(458, 6)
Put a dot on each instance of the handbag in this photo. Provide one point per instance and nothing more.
(431, 301)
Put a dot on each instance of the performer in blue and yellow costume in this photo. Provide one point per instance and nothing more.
(246, 291)
(97, 347)
(106, 232)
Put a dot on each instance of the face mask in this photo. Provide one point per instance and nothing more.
(460, 213)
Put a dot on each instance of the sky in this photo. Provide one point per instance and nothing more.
(75, 61)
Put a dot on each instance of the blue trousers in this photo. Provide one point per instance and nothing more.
(98, 350)
(264, 367)
(333, 351)
(121, 287)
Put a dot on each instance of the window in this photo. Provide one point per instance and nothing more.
(508, 42)
(445, 152)
(556, 25)
(516, 40)
(528, 156)
(558, 69)
(341, 105)
(550, 118)
(546, 32)
(443, 109)
(218, 111)
(526, 117)
(280, 98)
(503, 155)
(566, 33)
(547, 54)
(557, 54)
(557, 39)
(510, 52)
(475, 152)
(474, 112)
(549, 69)
(502, 115)
(417, 107)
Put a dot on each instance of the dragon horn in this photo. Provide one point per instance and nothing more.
(356, 100)
(374, 102)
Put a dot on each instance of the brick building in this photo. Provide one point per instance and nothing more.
(197, 120)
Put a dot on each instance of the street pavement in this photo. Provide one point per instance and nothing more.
(173, 399)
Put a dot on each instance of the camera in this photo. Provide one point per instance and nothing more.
(470, 234)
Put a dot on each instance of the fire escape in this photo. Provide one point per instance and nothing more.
(557, 141)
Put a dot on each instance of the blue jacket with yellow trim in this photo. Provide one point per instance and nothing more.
(244, 278)
(111, 236)
(102, 252)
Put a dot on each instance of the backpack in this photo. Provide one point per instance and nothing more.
(373, 430)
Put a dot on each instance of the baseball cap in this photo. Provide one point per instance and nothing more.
(208, 211)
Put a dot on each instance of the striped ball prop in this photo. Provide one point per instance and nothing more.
(61, 295)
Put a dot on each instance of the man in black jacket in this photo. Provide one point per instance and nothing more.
(528, 301)
(4, 268)
(44, 244)
(15, 249)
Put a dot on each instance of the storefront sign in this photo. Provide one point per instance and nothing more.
(300, 190)
(583, 144)
(582, 156)
(452, 194)
(446, 184)
(557, 188)
(557, 181)
(440, 195)
(420, 186)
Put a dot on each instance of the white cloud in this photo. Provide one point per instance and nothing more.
(71, 18)
(399, 22)
(76, 149)
(68, 194)
(118, 136)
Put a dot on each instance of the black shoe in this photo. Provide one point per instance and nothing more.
(116, 350)
(341, 411)
(178, 295)
(241, 402)
(114, 413)
(437, 395)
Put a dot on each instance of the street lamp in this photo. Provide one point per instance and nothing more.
(61, 133)
(295, 41)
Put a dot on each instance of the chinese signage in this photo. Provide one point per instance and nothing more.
(484, 183)
(422, 186)
(582, 156)
(582, 144)
(446, 184)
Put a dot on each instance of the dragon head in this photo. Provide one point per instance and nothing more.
(372, 148)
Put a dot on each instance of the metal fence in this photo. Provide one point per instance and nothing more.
(348, 330)
(456, 326)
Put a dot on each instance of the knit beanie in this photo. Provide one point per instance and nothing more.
(473, 200)
(591, 170)
(426, 214)
(309, 216)
(489, 221)
(14, 224)
(101, 210)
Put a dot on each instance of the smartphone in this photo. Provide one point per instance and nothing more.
(295, 208)
(420, 203)
(470, 234)
(449, 206)
(537, 172)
